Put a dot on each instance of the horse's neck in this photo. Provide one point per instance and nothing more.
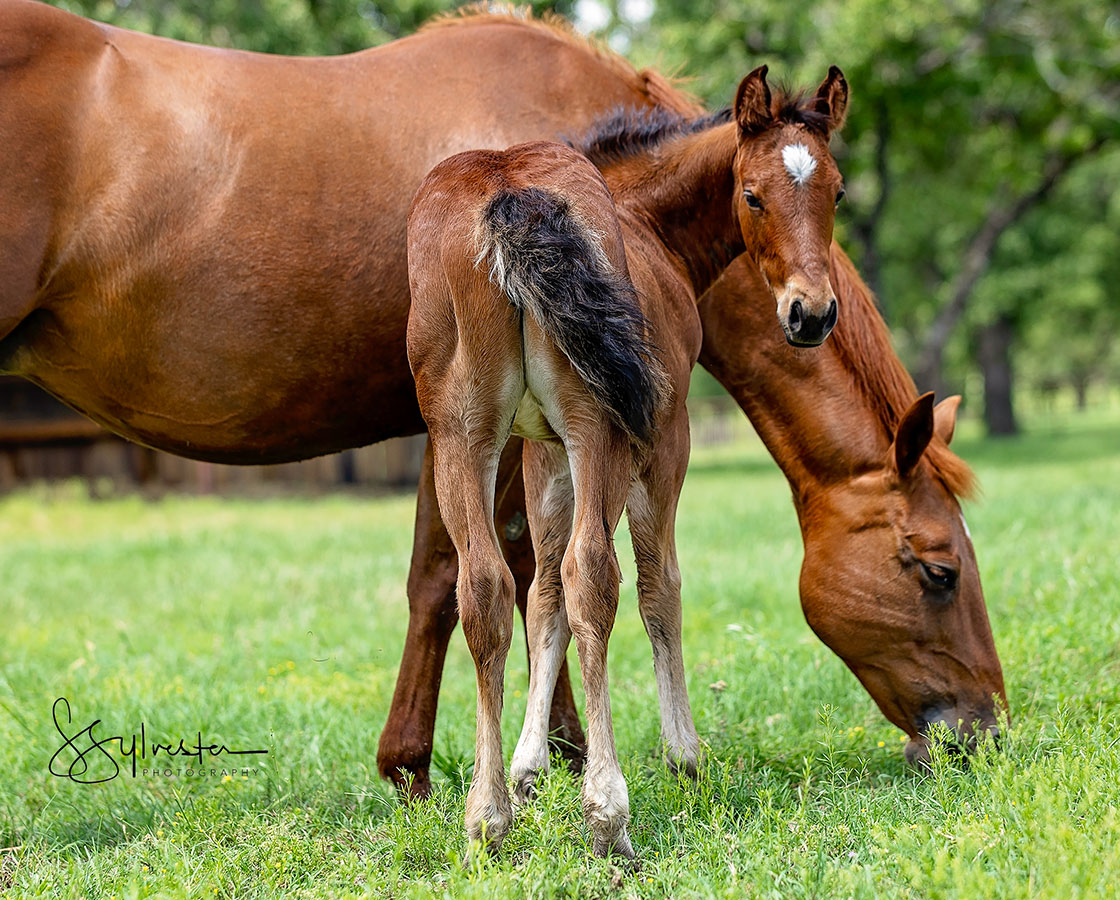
(804, 403)
(684, 190)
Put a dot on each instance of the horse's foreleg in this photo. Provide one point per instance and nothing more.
(652, 508)
(405, 751)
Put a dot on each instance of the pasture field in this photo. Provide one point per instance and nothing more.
(277, 624)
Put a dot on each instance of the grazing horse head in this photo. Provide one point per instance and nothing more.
(890, 583)
(889, 579)
(788, 188)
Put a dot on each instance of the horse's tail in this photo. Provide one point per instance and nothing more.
(554, 268)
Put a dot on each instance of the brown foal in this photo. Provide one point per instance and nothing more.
(523, 318)
(523, 321)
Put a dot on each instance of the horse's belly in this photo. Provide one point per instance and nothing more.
(258, 408)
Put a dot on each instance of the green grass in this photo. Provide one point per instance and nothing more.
(278, 624)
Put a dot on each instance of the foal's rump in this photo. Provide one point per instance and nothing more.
(553, 267)
(533, 232)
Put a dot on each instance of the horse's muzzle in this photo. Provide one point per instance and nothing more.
(956, 733)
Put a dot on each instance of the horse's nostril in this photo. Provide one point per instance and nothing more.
(796, 316)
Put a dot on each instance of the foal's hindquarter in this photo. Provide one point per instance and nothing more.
(524, 320)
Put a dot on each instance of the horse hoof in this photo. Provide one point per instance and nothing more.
(683, 765)
(616, 845)
(525, 791)
(411, 784)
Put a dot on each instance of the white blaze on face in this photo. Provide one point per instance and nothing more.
(799, 163)
(967, 533)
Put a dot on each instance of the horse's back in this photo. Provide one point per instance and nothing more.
(454, 208)
(231, 225)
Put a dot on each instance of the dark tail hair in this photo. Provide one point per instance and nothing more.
(548, 265)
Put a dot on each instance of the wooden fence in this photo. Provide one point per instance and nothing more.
(42, 439)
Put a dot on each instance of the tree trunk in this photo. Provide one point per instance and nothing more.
(977, 257)
(994, 356)
(1081, 389)
(867, 228)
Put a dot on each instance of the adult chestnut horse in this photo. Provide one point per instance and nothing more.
(204, 249)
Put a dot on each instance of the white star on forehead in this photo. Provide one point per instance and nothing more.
(799, 162)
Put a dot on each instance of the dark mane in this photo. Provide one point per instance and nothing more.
(864, 348)
(627, 132)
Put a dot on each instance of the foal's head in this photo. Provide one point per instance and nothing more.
(788, 188)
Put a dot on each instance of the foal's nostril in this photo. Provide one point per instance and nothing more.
(796, 317)
(830, 316)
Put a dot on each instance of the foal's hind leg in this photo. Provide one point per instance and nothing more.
(565, 731)
(548, 495)
(465, 470)
(652, 508)
(601, 476)
(405, 749)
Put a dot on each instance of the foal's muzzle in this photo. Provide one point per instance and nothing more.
(805, 328)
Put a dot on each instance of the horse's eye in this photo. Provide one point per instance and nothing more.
(941, 578)
(839, 196)
(752, 201)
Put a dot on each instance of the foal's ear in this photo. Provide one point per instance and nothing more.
(915, 431)
(945, 417)
(832, 99)
(752, 102)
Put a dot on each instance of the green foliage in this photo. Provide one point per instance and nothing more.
(278, 624)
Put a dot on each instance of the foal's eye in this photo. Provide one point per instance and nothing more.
(941, 578)
(839, 196)
(752, 201)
